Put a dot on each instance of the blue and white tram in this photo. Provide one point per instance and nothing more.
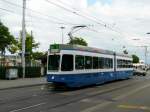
(77, 66)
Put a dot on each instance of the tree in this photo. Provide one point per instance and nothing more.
(31, 45)
(78, 41)
(6, 39)
(37, 55)
(41, 56)
(135, 59)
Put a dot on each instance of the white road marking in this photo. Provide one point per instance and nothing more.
(85, 100)
(16, 110)
(42, 87)
(94, 108)
(134, 107)
(131, 92)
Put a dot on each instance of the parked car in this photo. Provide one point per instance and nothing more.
(139, 72)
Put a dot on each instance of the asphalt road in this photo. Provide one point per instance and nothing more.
(121, 96)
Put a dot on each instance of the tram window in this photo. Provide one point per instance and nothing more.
(67, 62)
(119, 63)
(101, 62)
(129, 64)
(53, 62)
(124, 63)
(88, 62)
(108, 63)
(95, 62)
(79, 62)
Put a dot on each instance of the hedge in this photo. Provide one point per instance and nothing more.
(30, 72)
(2, 72)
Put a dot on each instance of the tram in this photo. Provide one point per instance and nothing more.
(77, 66)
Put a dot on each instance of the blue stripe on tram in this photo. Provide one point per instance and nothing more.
(84, 79)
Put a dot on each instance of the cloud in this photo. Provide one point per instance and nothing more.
(129, 17)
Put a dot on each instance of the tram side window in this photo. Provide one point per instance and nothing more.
(129, 64)
(108, 63)
(88, 62)
(79, 62)
(124, 63)
(119, 63)
(67, 62)
(95, 62)
(101, 62)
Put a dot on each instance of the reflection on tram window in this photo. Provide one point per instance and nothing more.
(108, 63)
(88, 62)
(101, 62)
(124, 63)
(79, 62)
(53, 62)
(95, 62)
(67, 63)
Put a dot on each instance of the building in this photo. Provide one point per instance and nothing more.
(10, 60)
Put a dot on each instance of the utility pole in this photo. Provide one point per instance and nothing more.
(31, 48)
(145, 48)
(62, 28)
(23, 37)
(145, 54)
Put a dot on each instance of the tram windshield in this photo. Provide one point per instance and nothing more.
(67, 62)
(53, 62)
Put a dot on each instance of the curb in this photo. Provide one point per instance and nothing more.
(23, 86)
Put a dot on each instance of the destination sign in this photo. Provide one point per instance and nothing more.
(54, 48)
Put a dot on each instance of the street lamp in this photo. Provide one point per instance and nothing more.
(62, 30)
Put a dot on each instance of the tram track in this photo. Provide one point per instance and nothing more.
(77, 94)
(92, 95)
(24, 97)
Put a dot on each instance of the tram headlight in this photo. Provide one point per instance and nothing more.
(52, 77)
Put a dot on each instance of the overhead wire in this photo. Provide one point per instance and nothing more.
(81, 15)
(36, 17)
(103, 24)
(6, 10)
(40, 13)
(106, 24)
(74, 11)
(82, 11)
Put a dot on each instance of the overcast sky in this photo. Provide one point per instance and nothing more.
(126, 21)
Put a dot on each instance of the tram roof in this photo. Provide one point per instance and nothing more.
(60, 47)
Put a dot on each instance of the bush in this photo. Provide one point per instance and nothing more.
(2, 72)
(45, 71)
(33, 71)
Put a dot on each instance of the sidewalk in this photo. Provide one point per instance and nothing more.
(17, 83)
